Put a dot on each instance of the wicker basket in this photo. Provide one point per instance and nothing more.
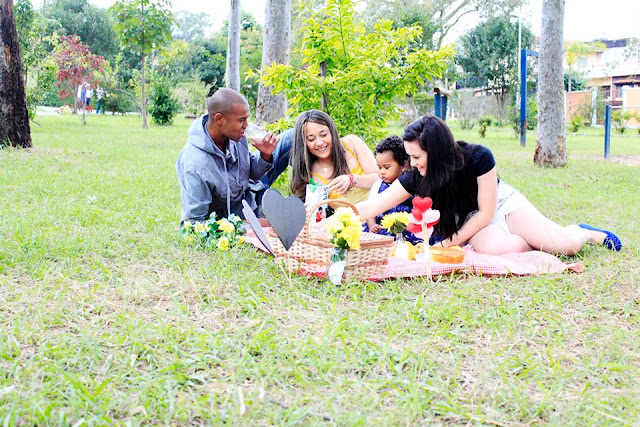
(311, 252)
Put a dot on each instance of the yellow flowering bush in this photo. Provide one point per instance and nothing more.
(345, 229)
(395, 222)
(220, 234)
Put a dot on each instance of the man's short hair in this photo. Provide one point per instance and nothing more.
(223, 101)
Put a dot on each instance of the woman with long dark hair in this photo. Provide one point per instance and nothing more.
(320, 156)
(476, 206)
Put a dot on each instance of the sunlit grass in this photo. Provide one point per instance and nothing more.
(107, 317)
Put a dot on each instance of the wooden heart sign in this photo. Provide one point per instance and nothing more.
(255, 224)
(286, 215)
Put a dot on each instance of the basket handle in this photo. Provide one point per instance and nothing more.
(330, 202)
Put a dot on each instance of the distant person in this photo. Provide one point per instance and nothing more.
(82, 94)
(89, 94)
(216, 171)
(99, 96)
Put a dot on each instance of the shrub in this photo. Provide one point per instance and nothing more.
(484, 122)
(117, 102)
(619, 119)
(163, 104)
(576, 123)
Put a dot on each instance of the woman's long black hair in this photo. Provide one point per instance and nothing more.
(301, 159)
(445, 159)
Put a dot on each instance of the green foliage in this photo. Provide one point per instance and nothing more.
(352, 74)
(513, 113)
(488, 55)
(143, 25)
(620, 119)
(576, 123)
(577, 82)
(164, 105)
(92, 24)
(192, 96)
(483, 123)
(29, 25)
(118, 101)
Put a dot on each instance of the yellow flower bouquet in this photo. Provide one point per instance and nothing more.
(345, 230)
(220, 234)
(395, 222)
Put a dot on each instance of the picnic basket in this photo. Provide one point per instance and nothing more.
(311, 252)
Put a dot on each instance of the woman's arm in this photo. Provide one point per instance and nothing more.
(487, 199)
(382, 202)
(364, 156)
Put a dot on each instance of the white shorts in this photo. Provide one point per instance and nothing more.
(509, 200)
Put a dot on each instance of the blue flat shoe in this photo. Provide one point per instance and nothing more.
(611, 242)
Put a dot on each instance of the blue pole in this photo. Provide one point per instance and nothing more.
(607, 131)
(443, 105)
(523, 97)
(436, 105)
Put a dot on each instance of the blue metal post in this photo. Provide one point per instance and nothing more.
(443, 106)
(523, 97)
(436, 105)
(607, 131)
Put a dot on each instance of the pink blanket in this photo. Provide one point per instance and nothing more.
(519, 264)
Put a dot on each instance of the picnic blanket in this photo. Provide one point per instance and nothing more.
(518, 264)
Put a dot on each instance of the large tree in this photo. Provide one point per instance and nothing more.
(438, 15)
(489, 56)
(275, 50)
(14, 118)
(143, 25)
(233, 49)
(551, 148)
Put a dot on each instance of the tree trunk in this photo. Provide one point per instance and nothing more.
(275, 48)
(551, 144)
(233, 50)
(143, 105)
(14, 117)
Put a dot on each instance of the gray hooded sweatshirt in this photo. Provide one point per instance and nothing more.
(213, 181)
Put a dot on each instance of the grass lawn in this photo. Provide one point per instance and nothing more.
(106, 317)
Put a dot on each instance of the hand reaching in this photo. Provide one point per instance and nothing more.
(266, 145)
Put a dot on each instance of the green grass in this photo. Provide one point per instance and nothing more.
(106, 317)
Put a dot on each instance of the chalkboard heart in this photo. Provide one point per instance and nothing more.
(255, 224)
(286, 215)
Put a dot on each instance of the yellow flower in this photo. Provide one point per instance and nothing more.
(223, 243)
(199, 227)
(240, 239)
(188, 238)
(207, 227)
(395, 222)
(225, 225)
(352, 236)
(187, 224)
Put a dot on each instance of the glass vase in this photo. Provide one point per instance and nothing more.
(337, 264)
(402, 247)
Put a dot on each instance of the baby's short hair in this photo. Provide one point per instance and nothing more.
(396, 146)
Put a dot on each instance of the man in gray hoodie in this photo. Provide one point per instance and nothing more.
(216, 170)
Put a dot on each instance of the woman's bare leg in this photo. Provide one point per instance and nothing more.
(493, 240)
(543, 234)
